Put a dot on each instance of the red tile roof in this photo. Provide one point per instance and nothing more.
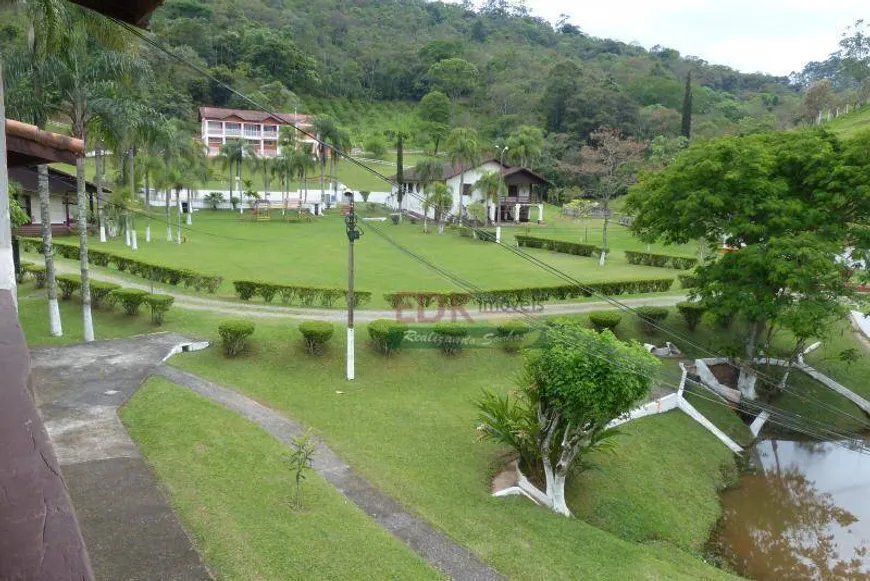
(220, 113)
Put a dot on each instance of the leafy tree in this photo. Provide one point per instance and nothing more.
(435, 112)
(463, 146)
(855, 56)
(439, 197)
(428, 171)
(232, 156)
(818, 98)
(399, 132)
(611, 160)
(569, 391)
(490, 186)
(786, 204)
(375, 145)
(564, 79)
(525, 145)
(686, 124)
(455, 76)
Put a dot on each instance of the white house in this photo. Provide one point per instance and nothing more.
(258, 128)
(517, 202)
(63, 199)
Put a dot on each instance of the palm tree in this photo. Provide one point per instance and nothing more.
(526, 145)
(324, 128)
(341, 142)
(31, 73)
(232, 156)
(463, 147)
(304, 163)
(439, 197)
(489, 185)
(428, 171)
(399, 133)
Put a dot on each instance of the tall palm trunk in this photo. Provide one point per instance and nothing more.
(178, 214)
(322, 171)
(148, 205)
(55, 327)
(231, 184)
(98, 163)
(189, 217)
(131, 227)
(461, 209)
(168, 221)
(241, 197)
(83, 250)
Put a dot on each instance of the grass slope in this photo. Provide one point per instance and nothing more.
(230, 484)
(852, 124)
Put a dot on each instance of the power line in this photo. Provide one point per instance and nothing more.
(526, 256)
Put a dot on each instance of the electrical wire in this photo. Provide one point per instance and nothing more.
(526, 256)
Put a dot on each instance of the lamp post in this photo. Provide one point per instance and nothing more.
(352, 235)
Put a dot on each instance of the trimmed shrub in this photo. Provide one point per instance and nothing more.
(511, 335)
(329, 296)
(660, 260)
(68, 284)
(360, 298)
(101, 292)
(37, 271)
(129, 298)
(316, 334)
(246, 288)
(387, 335)
(307, 295)
(99, 258)
(604, 320)
(561, 246)
(688, 280)
(287, 293)
(234, 335)
(450, 337)
(691, 312)
(267, 291)
(651, 317)
(159, 306)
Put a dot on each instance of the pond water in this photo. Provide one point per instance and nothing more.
(802, 512)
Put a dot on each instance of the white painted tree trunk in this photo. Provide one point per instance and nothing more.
(127, 240)
(602, 259)
(102, 228)
(148, 233)
(746, 382)
(178, 215)
(168, 222)
(189, 216)
(135, 238)
(55, 327)
(87, 319)
(558, 494)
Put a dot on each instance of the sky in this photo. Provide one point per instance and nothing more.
(770, 36)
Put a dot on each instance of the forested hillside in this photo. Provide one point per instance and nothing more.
(500, 67)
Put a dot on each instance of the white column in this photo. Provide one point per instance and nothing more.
(350, 355)
(540, 213)
(492, 212)
(498, 234)
(517, 213)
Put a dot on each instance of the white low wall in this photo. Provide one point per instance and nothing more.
(313, 196)
(702, 368)
(824, 380)
(659, 406)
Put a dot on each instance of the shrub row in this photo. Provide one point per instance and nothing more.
(305, 295)
(37, 271)
(602, 320)
(660, 260)
(424, 299)
(562, 246)
(524, 296)
(153, 272)
(688, 280)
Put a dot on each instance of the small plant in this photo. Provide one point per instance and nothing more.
(267, 291)
(365, 196)
(511, 335)
(234, 201)
(246, 289)
(234, 334)
(37, 271)
(214, 199)
(387, 335)
(691, 312)
(604, 320)
(101, 292)
(451, 336)
(68, 284)
(316, 334)
(300, 461)
(129, 298)
(159, 306)
(651, 317)
(395, 219)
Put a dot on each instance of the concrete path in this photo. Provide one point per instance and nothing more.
(262, 310)
(437, 549)
(130, 530)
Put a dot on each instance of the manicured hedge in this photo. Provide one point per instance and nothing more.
(68, 284)
(316, 334)
(101, 292)
(424, 299)
(129, 298)
(304, 295)
(478, 234)
(159, 306)
(691, 312)
(450, 336)
(234, 334)
(387, 335)
(604, 320)
(651, 317)
(660, 260)
(688, 280)
(153, 272)
(511, 335)
(37, 271)
(562, 246)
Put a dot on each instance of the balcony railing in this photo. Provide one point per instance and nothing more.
(233, 132)
(255, 133)
(270, 134)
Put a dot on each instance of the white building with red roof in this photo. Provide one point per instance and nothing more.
(261, 130)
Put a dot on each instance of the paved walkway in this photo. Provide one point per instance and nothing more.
(261, 310)
(130, 530)
(437, 549)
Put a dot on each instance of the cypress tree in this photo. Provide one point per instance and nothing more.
(687, 108)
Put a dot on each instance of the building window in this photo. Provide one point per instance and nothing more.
(466, 189)
(513, 191)
(215, 127)
(234, 128)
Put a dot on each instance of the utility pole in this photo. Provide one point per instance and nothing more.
(500, 183)
(352, 235)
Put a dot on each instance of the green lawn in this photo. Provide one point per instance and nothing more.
(230, 483)
(315, 254)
